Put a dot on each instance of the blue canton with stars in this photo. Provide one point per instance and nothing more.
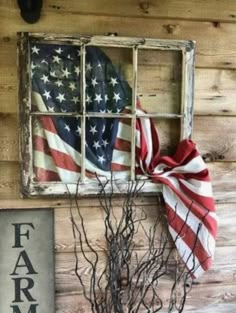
(55, 72)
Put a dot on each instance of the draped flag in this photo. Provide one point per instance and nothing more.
(57, 144)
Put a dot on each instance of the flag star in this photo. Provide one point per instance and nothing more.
(69, 57)
(96, 145)
(103, 128)
(78, 53)
(56, 59)
(102, 111)
(105, 143)
(88, 67)
(77, 70)
(94, 82)
(78, 130)
(72, 86)
(113, 81)
(35, 50)
(67, 127)
(98, 98)
(101, 159)
(106, 98)
(109, 111)
(59, 50)
(99, 64)
(117, 97)
(88, 99)
(53, 73)
(51, 109)
(47, 94)
(93, 129)
(45, 79)
(59, 83)
(118, 110)
(66, 73)
(63, 111)
(75, 100)
(33, 66)
(61, 97)
(44, 61)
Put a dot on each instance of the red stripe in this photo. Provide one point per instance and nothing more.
(48, 124)
(60, 159)
(189, 237)
(206, 202)
(45, 175)
(122, 145)
(119, 167)
(198, 211)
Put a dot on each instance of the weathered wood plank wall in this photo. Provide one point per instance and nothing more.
(212, 24)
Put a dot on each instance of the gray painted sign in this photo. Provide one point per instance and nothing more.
(27, 261)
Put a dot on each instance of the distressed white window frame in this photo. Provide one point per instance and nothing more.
(29, 187)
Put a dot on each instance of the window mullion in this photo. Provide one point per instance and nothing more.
(187, 93)
(83, 109)
(134, 103)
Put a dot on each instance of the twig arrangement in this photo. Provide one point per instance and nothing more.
(131, 281)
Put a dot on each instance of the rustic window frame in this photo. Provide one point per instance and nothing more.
(31, 188)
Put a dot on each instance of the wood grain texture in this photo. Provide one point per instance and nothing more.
(215, 136)
(212, 24)
(94, 221)
(214, 10)
(222, 173)
(211, 50)
(215, 287)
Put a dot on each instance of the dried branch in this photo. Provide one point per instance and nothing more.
(130, 283)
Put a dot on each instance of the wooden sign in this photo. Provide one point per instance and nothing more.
(27, 261)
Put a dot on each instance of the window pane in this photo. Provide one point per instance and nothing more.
(56, 148)
(108, 79)
(55, 77)
(159, 81)
(108, 147)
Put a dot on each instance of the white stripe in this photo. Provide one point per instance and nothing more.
(186, 254)
(196, 165)
(124, 131)
(201, 188)
(121, 157)
(146, 130)
(44, 161)
(38, 102)
(206, 239)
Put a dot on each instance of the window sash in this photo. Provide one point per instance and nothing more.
(30, 188)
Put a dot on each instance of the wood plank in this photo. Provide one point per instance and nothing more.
(215, 137)
(168, 131)
(222, 173)
(94, 221)
(74, 303)
(214, 10)
(215, 286)
(215, 92)
(223, 270)
(158, 85)
(8, 137)
(211, 48)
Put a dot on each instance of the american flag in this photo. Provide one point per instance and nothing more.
(185, 179)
